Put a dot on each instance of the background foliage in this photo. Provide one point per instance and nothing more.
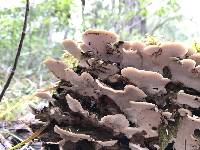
(51, 21)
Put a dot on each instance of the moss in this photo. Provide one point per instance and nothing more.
(167, 133)
(151, 40)
(196, 46)
(13, 108)
(69, 60)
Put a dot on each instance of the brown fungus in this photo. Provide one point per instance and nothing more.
(97, 40)
(72, 47)
(145, 116)
(186, 134)
(187, 99)
(123, 95)
(191, 51)
(56, 67)
(184, 71)
(155, 57)
(149, 81)
(196, 58)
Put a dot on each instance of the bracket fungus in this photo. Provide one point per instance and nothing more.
(123, 95)
(187, 99)
(148, 81)
(196, 58)
(188, 134)
(72, 47)
(145, 116)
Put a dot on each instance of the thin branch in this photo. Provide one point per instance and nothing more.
(18, 52)
(82, 13)
(161, 24)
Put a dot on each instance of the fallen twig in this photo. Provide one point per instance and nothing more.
(30, 138)
(16, 137)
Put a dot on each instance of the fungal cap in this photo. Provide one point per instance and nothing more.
(43, 95)
(56, 67)
(117, 122)
(98, 39)
(70, 136)
(72, 47)
(152, 81)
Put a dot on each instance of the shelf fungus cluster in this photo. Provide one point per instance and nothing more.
(123, 95)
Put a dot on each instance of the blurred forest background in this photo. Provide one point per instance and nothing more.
(51, 21)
